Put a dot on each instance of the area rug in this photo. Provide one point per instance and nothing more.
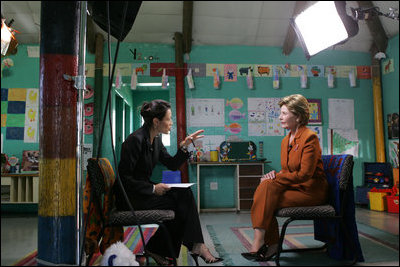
(131, 239)
(231, 240)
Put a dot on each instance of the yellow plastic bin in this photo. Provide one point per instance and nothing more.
(377, 201)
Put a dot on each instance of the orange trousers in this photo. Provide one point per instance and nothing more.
(271, 195)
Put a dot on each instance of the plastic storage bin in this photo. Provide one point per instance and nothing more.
(377, 201)
(392, 204)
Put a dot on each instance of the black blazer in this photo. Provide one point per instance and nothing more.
(138, 159)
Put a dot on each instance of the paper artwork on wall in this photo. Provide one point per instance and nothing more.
(315, 111)
(263, 70)
(198, 69)
(315, 71)
(205, 112)
(387, 66)
(341, 113)
(363, 72)
(318, 131)
(393, 151)
(283, 70)
(343, 141)
(88, 109)
(233, 128)
(87, 154)
(243, 69)
(343, 71)
(263, 117)
(141, 69)
(230, 73)
(210, 69)
(88, 128)
(88, 92)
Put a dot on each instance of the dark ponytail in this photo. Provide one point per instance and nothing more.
(154, 109)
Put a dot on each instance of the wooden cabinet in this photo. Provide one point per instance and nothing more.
(249, 178)
(19, 188)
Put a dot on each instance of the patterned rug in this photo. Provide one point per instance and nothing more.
(231, 240)
(131, 239)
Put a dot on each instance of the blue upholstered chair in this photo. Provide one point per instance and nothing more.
(334, 222)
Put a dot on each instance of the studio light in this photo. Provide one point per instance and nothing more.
(323, 25)
(8, 41)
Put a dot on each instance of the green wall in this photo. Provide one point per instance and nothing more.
(390, 86)
(25, 74)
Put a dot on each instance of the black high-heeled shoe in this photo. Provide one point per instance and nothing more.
(196, 256)
(256, 255)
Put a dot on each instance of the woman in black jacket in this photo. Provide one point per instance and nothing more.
(139, 154)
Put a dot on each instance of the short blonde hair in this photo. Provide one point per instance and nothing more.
(298, 105)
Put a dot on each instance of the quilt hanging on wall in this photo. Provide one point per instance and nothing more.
(20, 113)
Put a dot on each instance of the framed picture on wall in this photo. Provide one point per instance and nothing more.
(315, 112)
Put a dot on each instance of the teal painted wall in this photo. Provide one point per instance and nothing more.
(25, 74)
(390, 87)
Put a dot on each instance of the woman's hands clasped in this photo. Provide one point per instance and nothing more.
(268, 176)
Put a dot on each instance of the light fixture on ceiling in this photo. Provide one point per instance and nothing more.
(8, 41)
(366, 13)
(323, 25)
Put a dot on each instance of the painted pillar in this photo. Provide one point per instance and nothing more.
(180, 99)
(378, 114)
(59, 47)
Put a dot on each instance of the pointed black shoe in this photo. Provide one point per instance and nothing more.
(251, 256)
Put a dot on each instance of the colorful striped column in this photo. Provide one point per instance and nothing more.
(59, 47)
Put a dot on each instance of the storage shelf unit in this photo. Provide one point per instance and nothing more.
(247, 177)
(19, 188)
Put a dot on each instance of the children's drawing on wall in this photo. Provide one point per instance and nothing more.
(233, 128)
(315, 111)
(263, 117)
(315, 71)
(204, 112)
(343, 141)
(363, 72)
(230, 73)
(318, 131)
(262, 70)
(393, 125)
(394, 153)
(244, 69)
(388, 66)
(235, 115)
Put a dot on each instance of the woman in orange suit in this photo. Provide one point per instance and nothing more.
(301, 181)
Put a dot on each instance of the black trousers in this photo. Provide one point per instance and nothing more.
(184, 229)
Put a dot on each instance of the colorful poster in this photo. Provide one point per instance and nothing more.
(343, 71)
(31, 133)
(318, 131)
(393, 151)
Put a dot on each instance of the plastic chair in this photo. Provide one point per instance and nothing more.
(332, 217)
(102, 177)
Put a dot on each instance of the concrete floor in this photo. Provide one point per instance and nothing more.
(19, 232)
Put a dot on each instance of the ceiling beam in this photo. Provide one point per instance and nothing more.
(291, 36)
(187, 26)
(375, 27)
